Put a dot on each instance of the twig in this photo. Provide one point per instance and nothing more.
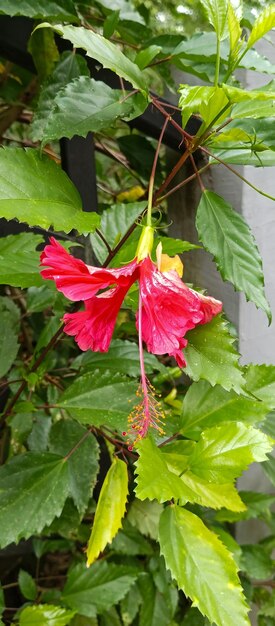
(197, 173)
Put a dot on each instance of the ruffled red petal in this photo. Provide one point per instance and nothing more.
(93, 328)
(75, 279)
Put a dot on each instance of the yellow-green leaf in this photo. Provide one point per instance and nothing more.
(264, 23)
(110, 509)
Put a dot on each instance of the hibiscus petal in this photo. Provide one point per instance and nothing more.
(75, 279)
(169, 310)
(93, 328)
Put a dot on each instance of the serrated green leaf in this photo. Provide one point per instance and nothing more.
(226, 235)
(253, 108)
(156, 481)
(19, 260)
(216, 12)
(257, 505)
(255, 562)
(100, 398)
(85, 105)
(69, 66)
(205, 406)
(27, 585)
(145, 515)
(203, 568)
(122, 357)
(224, 452)
(115, 222)
(209, 102)
(33, 490)
(41, 9)
(235, 31)
(264, 22)
(260, 381)
(45, 615)
(129, 606)
(34, 189)
(110, 509)
(82, 464)
(211, 355)
(95, 589)
(106, 53)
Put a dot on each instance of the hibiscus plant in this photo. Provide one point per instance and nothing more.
(126, 415)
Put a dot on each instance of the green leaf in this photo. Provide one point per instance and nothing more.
(257, 505)
(203, 568)
(100, 398)
(224, 452)
(146, 56)
(174, 246)
(260, 381)
(226, 235)
(9, 345)
(39, 9)
(69, 66)
(45, 615)
(122, 357)
(44, 52)
(211, 355)
(205, 406)
(154, 609)
(35, 190)
(129, 541)
(253, 108)
(156, 481)
(209, 102)
(235, 31)
(94, 590)
(194, 618)
(110, 510)
(129, 605)
(269, 468)
(85, 105)
(115, 222)
(19, 260)
(106, 53)
(110, 24)
(140, 152)
(245, 156)
(82, 464)
(264, 22)
(216, 12)
(256, 562)
(33, 489)
(27, 585)
(145, 515)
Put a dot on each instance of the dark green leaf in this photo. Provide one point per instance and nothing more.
(129, 605)
(82, 464)
(145, 515)
(115, 222)
(44, 52)
(100, 398)
(110, 24)
(96, 589)
(154, 610)
(106, 53)
(226, 235)
(19, 260)
(69, 66)
(33, 489)
(211, 355)
(39, 436)
(45, 615)
(256, 562)
(140, 153)
(122, 357)
(269, 469)
(129, 541)
(2, 602)
(146, 56)
(27, 585)
(40, 9)
(36, 190)
(203, 568)
(194, 618)
(205, 406)
(85, 105)
(9, 345)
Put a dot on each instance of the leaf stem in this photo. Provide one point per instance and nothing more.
(217, 69)
(197, 173)
(231, 169)
(184, 182)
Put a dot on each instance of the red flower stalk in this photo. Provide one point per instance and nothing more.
(167, 308)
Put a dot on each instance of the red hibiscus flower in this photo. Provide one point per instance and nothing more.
(167, 308)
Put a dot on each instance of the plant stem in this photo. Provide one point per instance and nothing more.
(197, 173)
(184, 182)
(217, 69)
(153, 173)
(35, 366)
(231, 169)
(76, 446)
